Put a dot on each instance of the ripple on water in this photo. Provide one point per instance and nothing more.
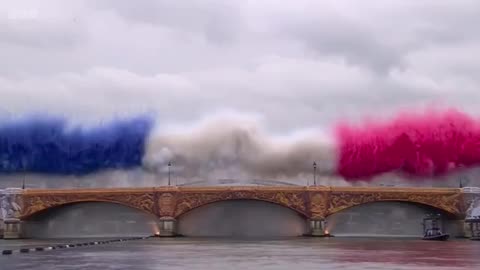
(292, 253)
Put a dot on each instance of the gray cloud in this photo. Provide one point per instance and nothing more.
(216, 21)
(298, 64)
(321, 60)
(339, 37)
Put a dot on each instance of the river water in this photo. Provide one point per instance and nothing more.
(218, 253)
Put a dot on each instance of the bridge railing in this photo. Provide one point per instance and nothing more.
(471, 190)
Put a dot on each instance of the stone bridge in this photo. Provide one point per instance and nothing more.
(168, 203)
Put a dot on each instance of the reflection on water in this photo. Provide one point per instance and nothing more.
(292, 253)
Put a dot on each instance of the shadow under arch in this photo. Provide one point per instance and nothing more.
(89, 218)
(65, 204)
(186, 210)
(242, 218)
(426, 206)
(389, 218)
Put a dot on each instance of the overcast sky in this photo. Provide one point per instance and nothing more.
(297, 64)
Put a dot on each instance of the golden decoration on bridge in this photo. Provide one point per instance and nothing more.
(318, 205)
(311, 202)
(191, 200)
(39, 200)
(166, 204)
(448, 201)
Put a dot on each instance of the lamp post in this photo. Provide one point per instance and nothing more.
(24, 166)
(315, 173)
(462, 176)
(169, 165)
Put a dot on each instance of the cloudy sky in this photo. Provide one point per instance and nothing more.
(296, 64)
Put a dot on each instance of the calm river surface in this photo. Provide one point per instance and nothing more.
(292, 253)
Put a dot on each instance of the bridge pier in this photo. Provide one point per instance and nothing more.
(318, 227)
(472, 208)
(12, 228)
(460, 228)
(167, 227)
(10, 208)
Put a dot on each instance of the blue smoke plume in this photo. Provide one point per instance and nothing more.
(48, 145)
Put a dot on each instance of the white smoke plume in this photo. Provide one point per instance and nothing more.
(238, 147)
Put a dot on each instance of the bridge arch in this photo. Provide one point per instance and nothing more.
(89, 218)
(242, 218)
(40, 211)
(291, 200)
(184, 211)
(389, 218)
(34, 204)
(449, 202)
(448, 211)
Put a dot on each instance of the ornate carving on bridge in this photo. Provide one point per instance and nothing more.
(36, 202)
(10, 203)
(312, 202)
(166, 204)
(187, 201)
(450, 202)
(318, 204)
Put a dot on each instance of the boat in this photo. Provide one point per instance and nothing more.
(440, 237)
(432, 230)
(158, 235)
(435, 234)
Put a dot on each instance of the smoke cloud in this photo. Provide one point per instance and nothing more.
(49, 145)
(237, 147)
(432, 148)
(419, 145)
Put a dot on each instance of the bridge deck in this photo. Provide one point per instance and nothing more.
(311, 201)
(246, 188)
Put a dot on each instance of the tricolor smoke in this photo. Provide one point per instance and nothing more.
(48, 145)
(416, 146)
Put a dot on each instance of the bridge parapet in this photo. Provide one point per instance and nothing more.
(471, 190)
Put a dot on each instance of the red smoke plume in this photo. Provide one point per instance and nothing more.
(426, 144)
